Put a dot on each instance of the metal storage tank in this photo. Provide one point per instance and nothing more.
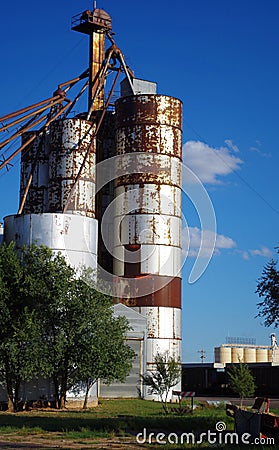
(60, 156)
(250, 355)
(69, 142)
(225, 355)
(74, 236)
(217, 354)
(237, 354)
(148, 216)
(262, 355)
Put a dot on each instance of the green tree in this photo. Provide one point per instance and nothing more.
(52, 281)
(268, 291)
(166, 374)
(103, 351)
(19, 329)
(241, 381)
(81, 338)
(56, 325)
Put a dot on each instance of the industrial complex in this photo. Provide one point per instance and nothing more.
(213, 378)
(103, 187)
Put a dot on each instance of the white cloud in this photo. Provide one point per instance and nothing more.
(257, 149)
(210, 163)
(193, 236)
(263, 251)
(229, 143)
(260, 152)
(244, 254)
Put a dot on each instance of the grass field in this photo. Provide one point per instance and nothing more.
(112, 424)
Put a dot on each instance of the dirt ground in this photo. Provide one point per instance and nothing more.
(43, 442)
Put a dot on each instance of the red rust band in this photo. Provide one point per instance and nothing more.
(165, 291)
(148, 109)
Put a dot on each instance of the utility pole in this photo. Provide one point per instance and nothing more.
(202, 352)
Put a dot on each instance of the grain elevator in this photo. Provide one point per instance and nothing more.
(103, 186)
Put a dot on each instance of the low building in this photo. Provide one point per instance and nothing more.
(212, 379)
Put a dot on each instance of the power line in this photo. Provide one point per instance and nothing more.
(244, 181)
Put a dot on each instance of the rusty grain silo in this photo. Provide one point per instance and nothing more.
(58, 156)
(148, 216)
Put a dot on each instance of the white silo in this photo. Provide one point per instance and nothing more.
(250, 355)
(237, 354)
(262, 355)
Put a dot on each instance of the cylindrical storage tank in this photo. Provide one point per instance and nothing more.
(250, 355)
(276, 355)
(148, 223)
(273, 355)
(75, 237)
(237, 354)
(217, 357)
(225, 355)
(35, 158)
(262, 355)
(70, 140)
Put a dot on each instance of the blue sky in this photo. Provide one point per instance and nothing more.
(221, 59)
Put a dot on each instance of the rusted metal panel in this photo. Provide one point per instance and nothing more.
(97, 55)
(148, 168)
(150, 229)
(154, 139)
(74, 236)
(70, 139)
(36, 200)
(149, 109)
(162, 322)
(148, 199)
